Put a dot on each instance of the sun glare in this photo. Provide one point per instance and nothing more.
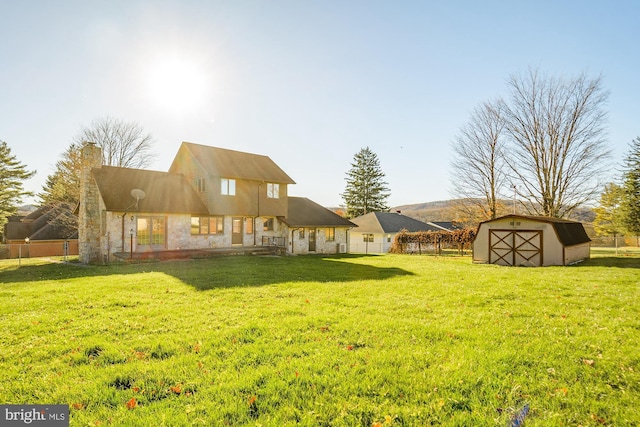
(177, 85)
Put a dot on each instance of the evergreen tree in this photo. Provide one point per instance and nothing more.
(609, 216)
(366, 191)
(631, 188)
(63, 185)
(12, 176)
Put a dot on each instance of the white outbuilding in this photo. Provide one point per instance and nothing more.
(534, 241)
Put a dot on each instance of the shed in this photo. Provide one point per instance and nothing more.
(534, 241)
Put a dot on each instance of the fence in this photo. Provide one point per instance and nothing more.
(39, 248)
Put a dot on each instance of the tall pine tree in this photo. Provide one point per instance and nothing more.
(631, 188)
(63, 185)
(366, 191)
(12, 176)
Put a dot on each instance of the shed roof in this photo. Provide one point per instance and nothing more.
(303, 212)
(233, 164)
(569, 232)
(164, 191)
(390, 222)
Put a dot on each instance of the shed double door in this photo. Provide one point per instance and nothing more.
(515, 247)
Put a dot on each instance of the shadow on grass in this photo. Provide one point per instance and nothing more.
(611, 261)
(223, 272)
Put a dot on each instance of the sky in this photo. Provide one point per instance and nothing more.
(308, 83)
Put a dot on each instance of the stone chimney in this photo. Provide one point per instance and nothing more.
(89, 217)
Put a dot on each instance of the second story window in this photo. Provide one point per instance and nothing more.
(273, 190)
(228, 187)
(201, 185)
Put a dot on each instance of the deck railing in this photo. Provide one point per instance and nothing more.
(278, 242)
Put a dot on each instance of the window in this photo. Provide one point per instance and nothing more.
(248, 225)
(273, 190)
(216, 225)
(301, 233)
(201, 185)
(157, 231)
(228, 187)
(367, 238)
(195, 225)
(143, 231)
(207, 225)
(268, 225)
(388, 238)
(330, 234)
(204, 226)
(151, 231)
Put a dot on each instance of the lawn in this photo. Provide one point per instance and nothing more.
(393, 340)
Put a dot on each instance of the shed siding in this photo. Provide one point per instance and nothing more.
(573, 254)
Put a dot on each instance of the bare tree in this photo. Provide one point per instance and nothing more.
(556, 135)
(479, 164)
(123, 144)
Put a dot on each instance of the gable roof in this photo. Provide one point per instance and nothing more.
(390, 222)
(45, 223)
(164, 192)
(233, 164)
(307, 213)
(444, 225)
(569, 232)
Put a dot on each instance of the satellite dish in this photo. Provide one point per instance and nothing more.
(138, 194)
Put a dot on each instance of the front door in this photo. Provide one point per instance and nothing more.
(236, 231)
(312, 240)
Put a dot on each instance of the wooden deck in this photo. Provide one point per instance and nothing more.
(199, 253)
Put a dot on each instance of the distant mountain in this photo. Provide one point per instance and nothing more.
(445, 210)
(25, 210)
(441, 210)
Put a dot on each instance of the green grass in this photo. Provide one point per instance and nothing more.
(324, 341)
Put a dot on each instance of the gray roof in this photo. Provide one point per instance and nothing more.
(164, 192)
(232, 164)
(46, 223)
(307, 213)
(390, 222)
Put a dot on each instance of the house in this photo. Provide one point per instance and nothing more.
(210, 199)
(518, 240)
(375, 231)
(314, 228)
(48, 231)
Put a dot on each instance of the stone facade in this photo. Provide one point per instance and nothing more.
(299, 241)
(89, 215)
(178, 234)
